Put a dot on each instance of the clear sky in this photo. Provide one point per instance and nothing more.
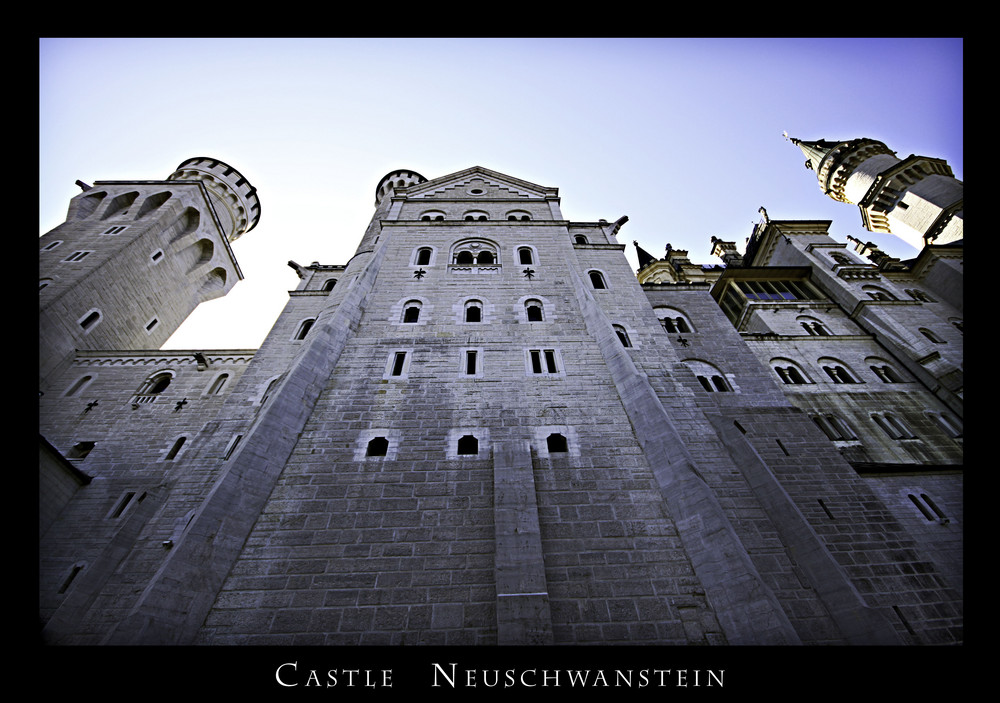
(684, 136)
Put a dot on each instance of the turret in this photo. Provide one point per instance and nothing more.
(396, 179)
(135, 258)
(918, 199)
(235, 201)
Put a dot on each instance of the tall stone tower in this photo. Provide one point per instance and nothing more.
(918, 199)
(134, 258)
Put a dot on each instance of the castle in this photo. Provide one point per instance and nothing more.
(486, 428)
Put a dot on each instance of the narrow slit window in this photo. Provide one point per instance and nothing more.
(233, 445)
(69, 579)
(550, 361)
(176, 448)
(470, 363)
(536, 362)
(397, 363)
(90, 320)
(122, 504)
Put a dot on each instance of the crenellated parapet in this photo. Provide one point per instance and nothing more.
(400, 178)
(235, 200)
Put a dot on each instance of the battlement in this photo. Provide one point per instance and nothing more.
(396, 179)
(235, 199)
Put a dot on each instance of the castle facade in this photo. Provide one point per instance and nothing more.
(486, 428)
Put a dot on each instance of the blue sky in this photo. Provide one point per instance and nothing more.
(682, 135)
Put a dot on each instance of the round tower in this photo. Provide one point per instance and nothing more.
(918, 199)
(234, 199)
(400, 178)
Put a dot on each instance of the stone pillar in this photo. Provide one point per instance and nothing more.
(523, 615)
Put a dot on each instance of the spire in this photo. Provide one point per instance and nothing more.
(814, 151)
(644, 256)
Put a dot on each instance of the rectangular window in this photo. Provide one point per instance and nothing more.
(550, 360)
(114, 230)
(544, 361)
(397, 363)
(232, 446)
(470, 363)
(122, 504)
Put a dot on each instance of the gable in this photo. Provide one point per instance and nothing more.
(478, 183)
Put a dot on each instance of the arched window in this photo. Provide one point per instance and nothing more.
(876, 293)
(152, 387)
(710, 378)
(411, 311)
(673, 321)
(518, 215)
(813, 326)
(423, 257)
(432, 215)
(886, 373)
(839, 374)
(556, 443)
(951, 426)
(930, 335)
(90, 320)
(218, 384)
(713, 384)
(957, 324)
(468, 444)
(834, 427)
(893, 426)
(329, 284)
(78, 385)
(840, 258)
(622, 335)
(304, 328)
(477, 252)
(919, 295)
(788, 372)
(597, 280)
(175, 449)
(533, 309)
(473, 311)
(524, 256)
(580, 239)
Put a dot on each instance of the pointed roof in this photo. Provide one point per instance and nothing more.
(815, 151)
(645, 257)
